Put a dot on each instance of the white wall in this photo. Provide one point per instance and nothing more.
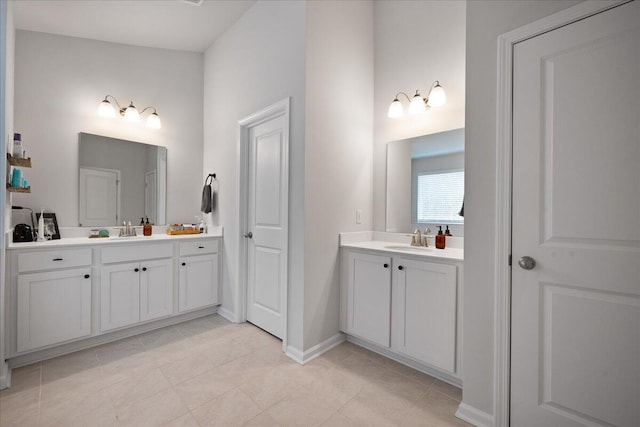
(486, 20)
(7, 45)
(338, 150)
(257, 62)
(59, 83)
(416, 42)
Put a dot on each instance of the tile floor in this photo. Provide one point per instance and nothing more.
(211, 372)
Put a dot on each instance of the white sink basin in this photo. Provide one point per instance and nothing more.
(408, 248)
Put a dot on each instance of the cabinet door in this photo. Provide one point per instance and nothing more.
(424, 312)
(119, 295)
(369, 297)
(156, 289)
(198, 282)
(53, 307)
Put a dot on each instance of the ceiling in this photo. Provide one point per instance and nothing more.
(168, 24)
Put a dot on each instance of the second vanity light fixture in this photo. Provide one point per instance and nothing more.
(417, 105)
(129, 113)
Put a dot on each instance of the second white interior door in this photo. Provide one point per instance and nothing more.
(266, 225)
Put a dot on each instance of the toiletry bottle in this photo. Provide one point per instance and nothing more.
(447, 232)
(147, 230)
(141, 221)
(16, 178)
(41, 237)
(440, 239)
(17, 145)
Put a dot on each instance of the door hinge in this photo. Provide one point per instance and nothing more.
(509, 259)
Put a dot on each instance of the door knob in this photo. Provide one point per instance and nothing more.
(249, 235)
(527, 263)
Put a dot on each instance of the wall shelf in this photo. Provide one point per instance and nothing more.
(11, 189)
(18, 161)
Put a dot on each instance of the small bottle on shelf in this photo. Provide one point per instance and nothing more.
(147, 229)
(17, 145)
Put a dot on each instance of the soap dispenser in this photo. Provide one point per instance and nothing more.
(447, 232)
(147, 229)
(440, 239)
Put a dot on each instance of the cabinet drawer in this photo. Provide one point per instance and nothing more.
(199, 247)
(136, 253)
(47, 260)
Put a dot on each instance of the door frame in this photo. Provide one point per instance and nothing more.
(280, 108)
(504, 175)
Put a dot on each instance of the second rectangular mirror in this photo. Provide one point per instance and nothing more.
(425, 182)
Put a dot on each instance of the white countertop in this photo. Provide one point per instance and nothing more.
(397, 244)
(83, 241)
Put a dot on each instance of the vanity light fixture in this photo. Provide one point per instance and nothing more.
(129, 113)
(417, 104)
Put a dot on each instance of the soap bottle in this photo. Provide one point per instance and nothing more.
(440, 239)
(17, 145)
(447, 232)
(147, 230)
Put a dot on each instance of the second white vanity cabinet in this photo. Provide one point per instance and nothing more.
(135, 292)
(53, 297)
(424, 312)
(132, 292)
(199, 275)
(404, 307)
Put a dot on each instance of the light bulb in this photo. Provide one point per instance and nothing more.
(105, 109)
(437, 97)
(395, 109)
(153, 121)
(131, 114)
(417, 104)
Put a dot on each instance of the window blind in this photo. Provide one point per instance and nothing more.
(440, 196)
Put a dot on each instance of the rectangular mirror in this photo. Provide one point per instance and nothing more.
(425, 182)
(120, 180)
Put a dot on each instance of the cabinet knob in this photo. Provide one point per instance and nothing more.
(86, 276)
(57, 259)
(136, 270)
(200, 247)
(184, 263)
(385, 265)
(144, 268)
(400, 267)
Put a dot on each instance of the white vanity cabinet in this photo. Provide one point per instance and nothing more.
(53, 303)
(405, 307)
(199, 275)
(76, 292)
(133, 292)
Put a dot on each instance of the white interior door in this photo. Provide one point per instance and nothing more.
(576, 212)
(99, 203)
(267, 206)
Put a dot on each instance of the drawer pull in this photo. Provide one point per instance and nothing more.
(144, 268)
(184, 263)
(400, 267)
(136, 270)
(86, 276)
(57, 259)
(200, 247)
(386, 265)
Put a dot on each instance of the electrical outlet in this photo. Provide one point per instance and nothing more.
(358, 216)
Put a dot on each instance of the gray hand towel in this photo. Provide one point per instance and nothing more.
(206, 205)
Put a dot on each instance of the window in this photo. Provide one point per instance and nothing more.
(440, 197)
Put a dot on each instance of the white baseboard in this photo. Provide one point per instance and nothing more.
(474, 416)
(227, 314)
(303, 357)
